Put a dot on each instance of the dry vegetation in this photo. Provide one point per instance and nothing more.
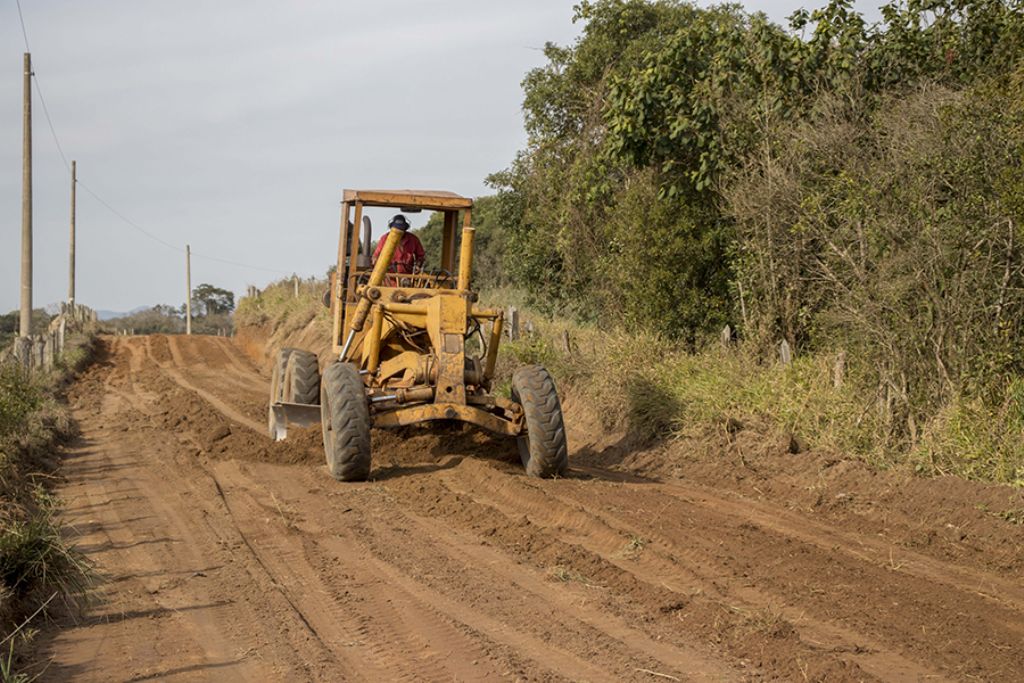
(278, 307)
(40, 570)
(652, 388)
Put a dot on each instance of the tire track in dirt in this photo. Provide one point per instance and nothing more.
(826, 615)
(386, 623)
(430, 545)
(161, 609)
(867, 651)
(539, 653)
(178, 493)
(995, 589)
(468, 552)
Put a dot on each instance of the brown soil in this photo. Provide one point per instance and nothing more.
(227, 557)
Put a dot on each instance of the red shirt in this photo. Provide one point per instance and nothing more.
(409, 253)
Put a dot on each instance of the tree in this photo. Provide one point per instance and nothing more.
(489, 245)
(209, 300)
(9, 324)
(615, 208)
(160, 319)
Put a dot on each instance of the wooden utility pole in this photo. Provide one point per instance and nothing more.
(188, 285)
(71, 253)
(25, 326)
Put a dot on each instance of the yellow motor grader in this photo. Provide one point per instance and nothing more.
(410, 347)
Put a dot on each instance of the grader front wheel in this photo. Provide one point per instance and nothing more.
(543, 448)
(345, 418)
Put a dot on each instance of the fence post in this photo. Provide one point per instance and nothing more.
(40, 353)
(839, 370)
(23, 352)
(513, 323)
(785, 353)
(48, 350)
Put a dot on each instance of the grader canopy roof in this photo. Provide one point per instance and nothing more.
(434, 200)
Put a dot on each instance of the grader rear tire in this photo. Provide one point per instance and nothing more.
(543, 448)
(302, 378)
(345, 418)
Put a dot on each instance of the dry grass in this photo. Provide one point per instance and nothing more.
(655, 390)
(278, 306)
(39, 569)
(567, 575)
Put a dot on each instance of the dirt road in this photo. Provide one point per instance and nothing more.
(226, 557)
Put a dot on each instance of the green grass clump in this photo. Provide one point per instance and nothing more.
(35, 559)
(718, 384)
(974, 440)
(19, 397)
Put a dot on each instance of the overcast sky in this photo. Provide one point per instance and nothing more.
(233, 126)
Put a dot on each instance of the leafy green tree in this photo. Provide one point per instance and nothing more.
(659, 102)
(489, 245)
(210, 300)
(10, 323)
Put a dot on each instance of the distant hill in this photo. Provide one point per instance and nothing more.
(110, 315)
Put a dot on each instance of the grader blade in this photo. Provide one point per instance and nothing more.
(293, 415)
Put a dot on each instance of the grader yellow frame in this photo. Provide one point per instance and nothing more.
(399, 347)
(410, 386)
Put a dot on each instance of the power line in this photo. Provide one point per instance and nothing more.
(167, 244)
(49, 122)
(67, 166)
(24, 33)
(241, 265)
(127, 220)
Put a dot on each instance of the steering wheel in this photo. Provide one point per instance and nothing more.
(441, 277)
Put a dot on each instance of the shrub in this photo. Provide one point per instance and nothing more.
(19, 397)
(39, 568)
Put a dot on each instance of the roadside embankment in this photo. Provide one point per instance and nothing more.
(41, 573)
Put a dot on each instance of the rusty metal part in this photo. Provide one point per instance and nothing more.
(492, 401)
(447, 411)
(474, 373)
(293, 415)
(414, 395)
(492, 346)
